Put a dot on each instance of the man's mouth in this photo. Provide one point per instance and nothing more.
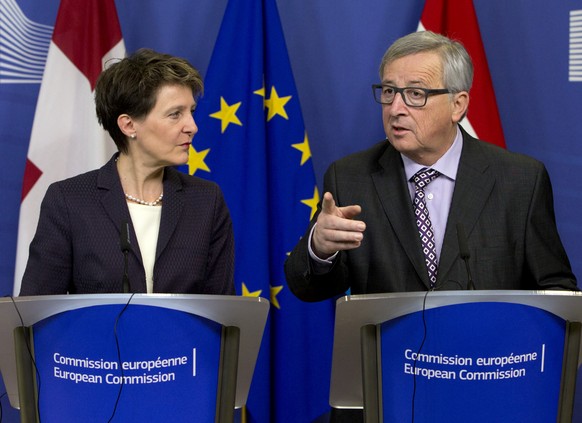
(399, 129)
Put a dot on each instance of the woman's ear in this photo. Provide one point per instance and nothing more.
(126, 125)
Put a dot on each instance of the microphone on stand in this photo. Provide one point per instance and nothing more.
(125, 244)
(465, 254)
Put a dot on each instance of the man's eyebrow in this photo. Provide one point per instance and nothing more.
(407, 84)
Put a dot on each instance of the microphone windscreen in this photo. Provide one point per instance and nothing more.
(463, 244)
(124, 237)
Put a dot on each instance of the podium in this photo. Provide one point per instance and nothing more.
(213, 339)
(457, 355)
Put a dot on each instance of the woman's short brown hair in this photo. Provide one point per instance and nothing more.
(130, 86)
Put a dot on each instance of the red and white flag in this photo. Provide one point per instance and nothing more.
(66, 138)
(457, 20)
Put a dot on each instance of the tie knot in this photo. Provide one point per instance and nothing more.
(424, 177)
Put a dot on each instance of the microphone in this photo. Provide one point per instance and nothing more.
(125, 244)
(465, 254)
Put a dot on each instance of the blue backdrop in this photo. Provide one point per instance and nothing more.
(334, 49)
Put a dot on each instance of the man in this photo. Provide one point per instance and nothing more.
(390, 215)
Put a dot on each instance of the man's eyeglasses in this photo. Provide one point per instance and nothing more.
(412, 96)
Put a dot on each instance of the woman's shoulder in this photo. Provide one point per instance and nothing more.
(189, 181)
(195, 187)
(82, 182)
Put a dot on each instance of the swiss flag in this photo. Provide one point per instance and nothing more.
(66, 139)
(457, 20)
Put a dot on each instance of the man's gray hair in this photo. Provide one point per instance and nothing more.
(457, 65)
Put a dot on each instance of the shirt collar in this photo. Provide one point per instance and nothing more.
(447, 165)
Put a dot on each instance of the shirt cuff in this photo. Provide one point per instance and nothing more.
(319, 265)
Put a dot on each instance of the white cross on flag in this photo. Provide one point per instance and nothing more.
(66, 138)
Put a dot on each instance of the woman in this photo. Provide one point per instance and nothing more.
(180, 237)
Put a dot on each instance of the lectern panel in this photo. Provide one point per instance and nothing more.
(166, 369)
(478, 362)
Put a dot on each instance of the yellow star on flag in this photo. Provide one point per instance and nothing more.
(274, 291)
(260, 91)
(227, 114)
(196, 160)
(312, 202)
(304, 148)
(276, 105)
(247, 293)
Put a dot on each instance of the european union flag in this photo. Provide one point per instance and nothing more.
(252, 141)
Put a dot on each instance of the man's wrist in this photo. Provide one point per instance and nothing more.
(324, 261)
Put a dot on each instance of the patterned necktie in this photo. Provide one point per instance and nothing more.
(421, 179)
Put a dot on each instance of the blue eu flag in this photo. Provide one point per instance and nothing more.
(252, 141)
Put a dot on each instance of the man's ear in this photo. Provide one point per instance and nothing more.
(460, 106)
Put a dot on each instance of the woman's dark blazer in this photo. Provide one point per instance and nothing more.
(76, 248)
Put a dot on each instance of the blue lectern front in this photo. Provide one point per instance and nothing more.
(157, 358)
(476, 356)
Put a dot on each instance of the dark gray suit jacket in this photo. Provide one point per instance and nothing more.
(503, 200)
(76, 247)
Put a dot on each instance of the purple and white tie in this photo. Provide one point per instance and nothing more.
(421, 179)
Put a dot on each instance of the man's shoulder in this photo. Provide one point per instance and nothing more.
(498, 156)
(365, 158)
